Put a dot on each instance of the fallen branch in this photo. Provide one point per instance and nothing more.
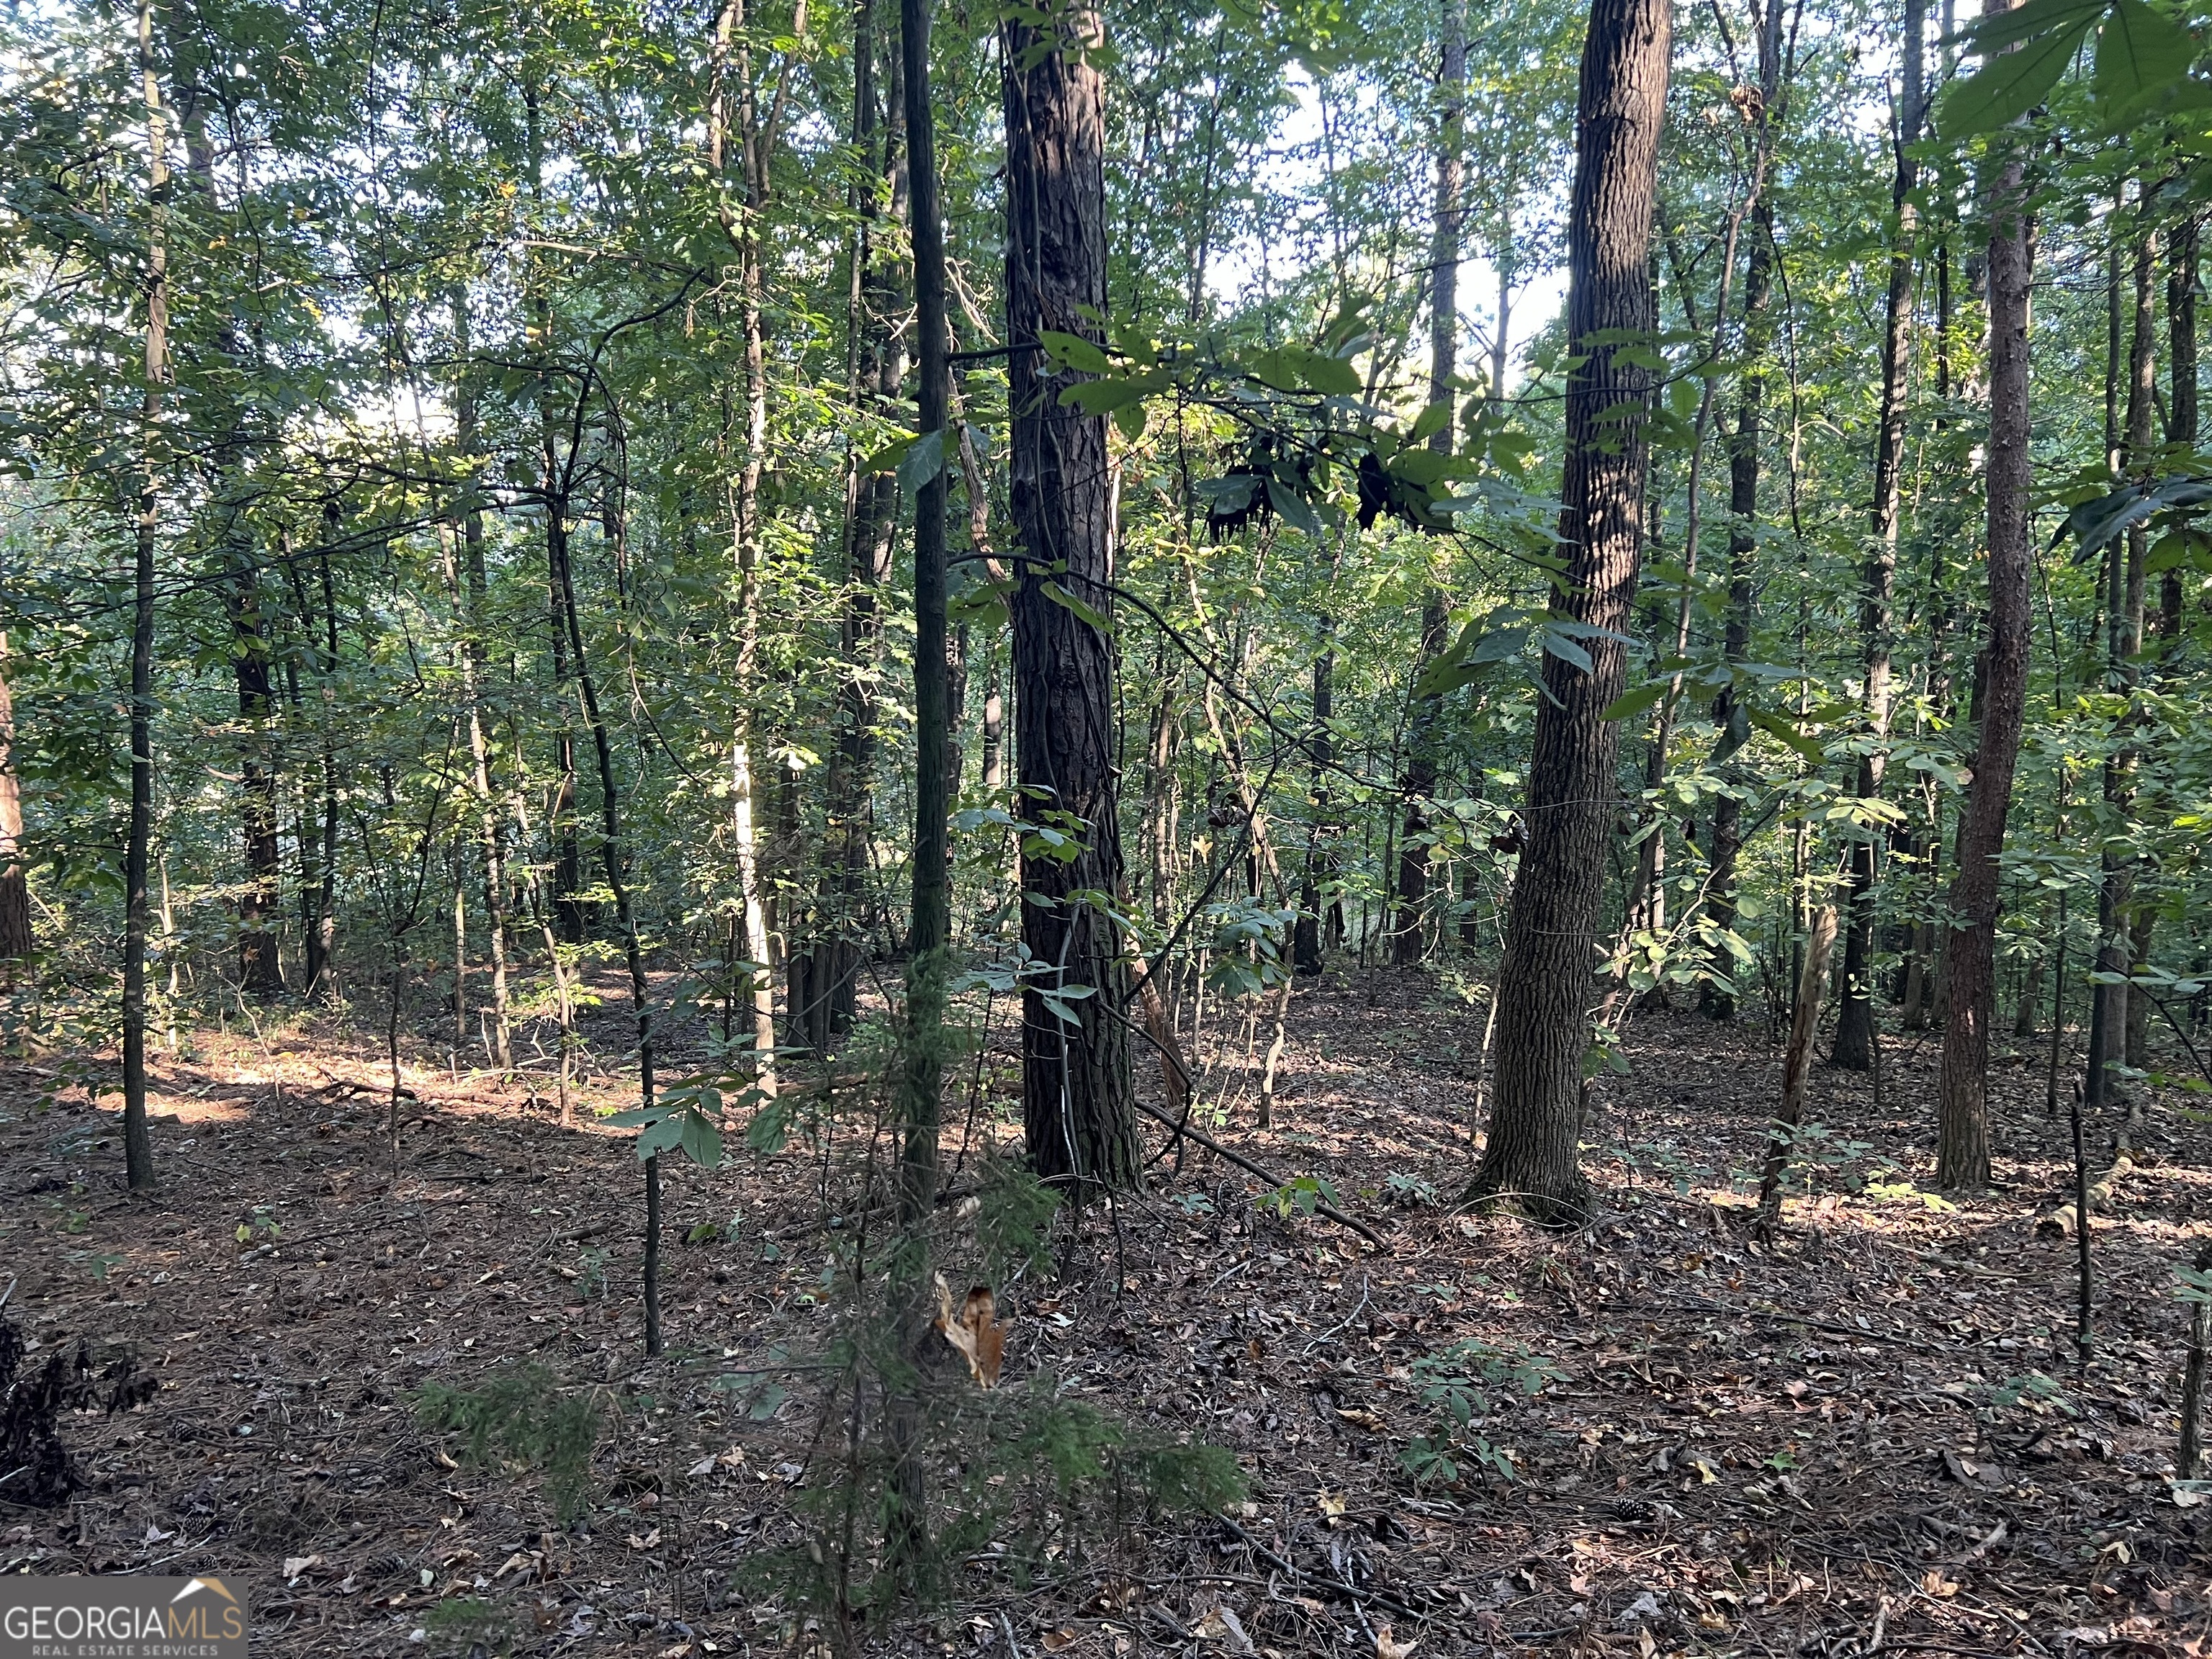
(1321, 1206)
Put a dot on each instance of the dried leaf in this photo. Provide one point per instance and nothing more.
(1054, 1640)
(1387, 1649)
(975, 1331)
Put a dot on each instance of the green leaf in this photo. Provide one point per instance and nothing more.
(1296, 512)
(1782, 731)
(1558, 644)
(663, 1134)
(1067, 601)
(1634, 702)
(1072, 351)
(1431, 421)
(924, 461)
(2009, 85)
(2139, 55)
(703, 1140)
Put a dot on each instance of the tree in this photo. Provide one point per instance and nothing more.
(1422, 716)
(1855, 1040)
(15, 941)
(1962, 1158)
(1547, 981)
(1079, 1123)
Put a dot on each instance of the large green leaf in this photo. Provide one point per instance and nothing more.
(2011, 84)
(2140, 55)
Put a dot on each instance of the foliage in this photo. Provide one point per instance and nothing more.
(524, 1414)
(1457, 1387)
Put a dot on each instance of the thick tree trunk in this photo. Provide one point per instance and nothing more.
(1079, 1113)
(1854, 1046)
(1552, 947)
(1963, 1138)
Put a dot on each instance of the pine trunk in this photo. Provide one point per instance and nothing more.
(1077, 1105)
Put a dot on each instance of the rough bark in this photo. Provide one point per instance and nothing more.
(1551, 947)
(1080, 1121)
(1963, 1134)
(1854, 1046)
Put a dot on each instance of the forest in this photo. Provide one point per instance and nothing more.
(1244, 827)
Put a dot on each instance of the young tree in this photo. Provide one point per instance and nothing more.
(1854, 1046)
(1962, 1158)
(138, 1138)
(15, 941)
(1079, 1123)
(1547, 980)
(1422, 718)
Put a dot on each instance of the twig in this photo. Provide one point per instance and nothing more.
(1321, 1206)
(1341, 1323)
(1350, 1594)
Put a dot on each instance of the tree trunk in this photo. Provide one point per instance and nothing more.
(612, 863)
(1423, 717)
(2118, 1022)
(259, 906)
(138, 1138)
(1963, 1138)
(1307, 939)
(476, 662)
(15, 941)
(1551, 947)
(1078, 1115)
(1420, 787)
(929, 939)
(1854, 1045)
(1717, 997)
(876, 364)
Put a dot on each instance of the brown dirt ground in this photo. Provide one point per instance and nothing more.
(1806, 1449)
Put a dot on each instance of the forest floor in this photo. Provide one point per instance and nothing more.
(1874, 1436)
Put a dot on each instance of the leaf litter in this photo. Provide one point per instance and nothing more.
(1872, 1437)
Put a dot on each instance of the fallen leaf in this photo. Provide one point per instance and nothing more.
(297, 1565)
(651, 1541)
(1387, 1649)
(975, 1331)
(1363, 1417)
(1054, 1640)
